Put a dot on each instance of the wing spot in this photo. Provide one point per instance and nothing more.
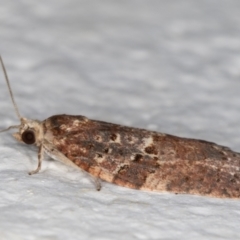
(113, 137)
(233, 180)
(123, 169)
(151, 150)
(106, 150)
(186, 178)
(137, 158)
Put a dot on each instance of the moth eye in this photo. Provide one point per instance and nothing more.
(28, 137)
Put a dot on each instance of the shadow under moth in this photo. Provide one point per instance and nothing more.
(132, 157)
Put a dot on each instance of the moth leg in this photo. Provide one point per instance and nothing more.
(40, 158)
(52, 152)
(97, 183)
(57, 155)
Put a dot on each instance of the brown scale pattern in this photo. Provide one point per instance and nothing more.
(167, 163)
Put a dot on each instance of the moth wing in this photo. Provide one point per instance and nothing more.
(146, 160)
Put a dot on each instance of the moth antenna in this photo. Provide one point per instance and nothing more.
(15, 126)
(10, 91)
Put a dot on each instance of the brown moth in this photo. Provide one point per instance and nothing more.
(132, 157)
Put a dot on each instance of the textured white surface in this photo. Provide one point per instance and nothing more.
(171, 66)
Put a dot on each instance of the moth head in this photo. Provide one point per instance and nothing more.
(30, 132)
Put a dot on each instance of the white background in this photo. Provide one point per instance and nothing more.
(170, 66)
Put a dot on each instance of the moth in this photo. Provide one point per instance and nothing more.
(132, 157)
